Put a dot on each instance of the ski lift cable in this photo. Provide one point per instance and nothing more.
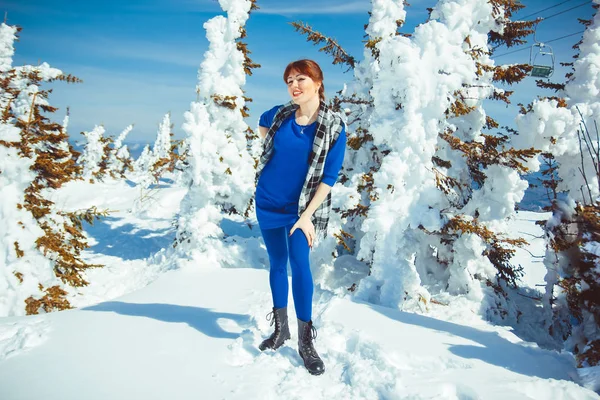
(549, 41)
(545, 9)
(568, 9)
(551, 16)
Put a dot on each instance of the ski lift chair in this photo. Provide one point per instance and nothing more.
(542, 70)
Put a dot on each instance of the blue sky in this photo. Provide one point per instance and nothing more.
(139, 59)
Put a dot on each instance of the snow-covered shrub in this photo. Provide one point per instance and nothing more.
(39, 245)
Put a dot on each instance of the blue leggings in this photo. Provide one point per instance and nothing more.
(282, 247)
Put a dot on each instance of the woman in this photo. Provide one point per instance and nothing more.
(303, 151)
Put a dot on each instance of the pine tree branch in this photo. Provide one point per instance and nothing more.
(332, 47)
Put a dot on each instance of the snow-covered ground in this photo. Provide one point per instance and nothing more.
(146, 331)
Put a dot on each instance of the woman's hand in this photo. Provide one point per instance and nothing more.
(306, 225)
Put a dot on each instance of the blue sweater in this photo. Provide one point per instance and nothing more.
(280, 183)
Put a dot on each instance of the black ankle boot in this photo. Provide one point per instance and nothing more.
(306, 333)
(282, 329)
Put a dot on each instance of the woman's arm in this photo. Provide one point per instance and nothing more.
(320, 195)
(263, 131)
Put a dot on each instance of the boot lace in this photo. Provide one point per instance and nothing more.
(313, 332)
(274, 320)
(310, 333)
(271, 317)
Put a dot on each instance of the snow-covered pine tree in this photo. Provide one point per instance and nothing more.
(478, 171)
(220, 169)
(165, 152)
(181, 164)
(39, 245)
(119, 161)
(365, 153)
(465, 133)
(162, 144)
(566, 127)
(141, 168)
(398, 123)
(420, 84)
(96, 154)
(164, 156)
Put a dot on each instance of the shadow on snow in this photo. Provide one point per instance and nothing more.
(239, 228)
(491, 348)
(202, 319)
(127, 241)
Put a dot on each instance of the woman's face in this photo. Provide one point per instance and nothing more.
(301, 87)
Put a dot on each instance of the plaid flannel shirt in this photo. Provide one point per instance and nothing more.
(329, 127)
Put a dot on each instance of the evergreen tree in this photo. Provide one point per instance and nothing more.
(428, 96)
(95, 155)
(165, 153)
(164, 156)
(141, 168)
(119, 161)
(40, 245)
(566, 129)
(219, 167)
(162, 144)
(421, 130)
(476, 166)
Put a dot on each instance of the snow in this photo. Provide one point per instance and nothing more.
(383, 18)
(531, 257)
(7, 38)
(19, 336)
(142, 331)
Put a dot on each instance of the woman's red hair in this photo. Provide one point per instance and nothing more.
(309, 68)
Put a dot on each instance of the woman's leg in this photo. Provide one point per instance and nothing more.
(277, 248)
(302, 283)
